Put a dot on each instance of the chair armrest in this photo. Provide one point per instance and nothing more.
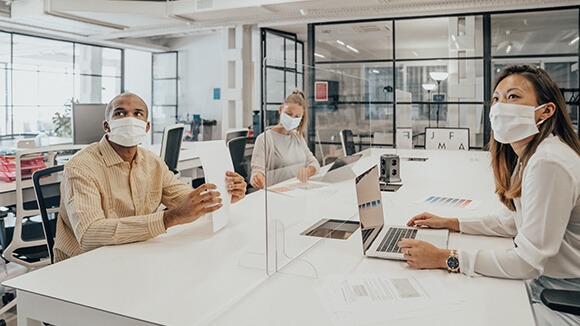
(562, 300)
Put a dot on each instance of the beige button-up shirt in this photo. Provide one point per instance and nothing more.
(107, 201)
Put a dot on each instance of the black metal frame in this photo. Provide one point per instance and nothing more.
(286, 36)
(486, 57)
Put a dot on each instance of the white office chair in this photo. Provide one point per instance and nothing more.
(171, 145)
(29, 254)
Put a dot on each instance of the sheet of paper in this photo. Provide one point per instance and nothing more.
(298, 189)
(216, 160)
(450, 202)
(376, 298)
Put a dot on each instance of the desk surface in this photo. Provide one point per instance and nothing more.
(190, 276)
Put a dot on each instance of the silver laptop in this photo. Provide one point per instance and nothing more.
(381, 240)
(340, 170)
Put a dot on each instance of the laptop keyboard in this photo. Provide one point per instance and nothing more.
(389, 243)
(366, 233)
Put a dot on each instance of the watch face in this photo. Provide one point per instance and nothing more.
(452, 262)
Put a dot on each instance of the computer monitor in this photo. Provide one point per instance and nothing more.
(171, 145)
(87, 122)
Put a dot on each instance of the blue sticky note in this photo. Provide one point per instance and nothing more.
(216, 93)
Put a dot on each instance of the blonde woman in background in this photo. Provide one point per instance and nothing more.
(281, 152)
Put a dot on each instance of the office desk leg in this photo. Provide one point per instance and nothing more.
(25, 301)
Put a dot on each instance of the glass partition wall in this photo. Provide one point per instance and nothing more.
(292, 207)
(438, 71)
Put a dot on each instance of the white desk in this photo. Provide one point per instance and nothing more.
(192, 277)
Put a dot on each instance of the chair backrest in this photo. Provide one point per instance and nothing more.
(28, 246)
(235, 133)
(237, 147)
(171, 145)
(47, 189)
(347, 139)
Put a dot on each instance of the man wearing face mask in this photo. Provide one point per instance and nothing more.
(112, 189)
(535, 156)
(281, 153)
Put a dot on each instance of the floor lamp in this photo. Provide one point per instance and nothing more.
(429, 88)
(438, 76)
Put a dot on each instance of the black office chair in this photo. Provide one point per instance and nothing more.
(235, 133)
(562, 300)
(347, 139)
(47, 189)
(237, 147)
(171, 145)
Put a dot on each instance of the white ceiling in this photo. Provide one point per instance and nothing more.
(146, 23)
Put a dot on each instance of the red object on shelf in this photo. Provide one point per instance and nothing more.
(28, 164)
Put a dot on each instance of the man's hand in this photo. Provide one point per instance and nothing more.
(236, 186)
(200, 201)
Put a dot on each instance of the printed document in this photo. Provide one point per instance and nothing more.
(216, 160)
(372, 298)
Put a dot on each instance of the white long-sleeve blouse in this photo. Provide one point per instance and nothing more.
(545, 226)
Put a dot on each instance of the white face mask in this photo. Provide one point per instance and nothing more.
(127, 132)
(288, 122)
(513, 122)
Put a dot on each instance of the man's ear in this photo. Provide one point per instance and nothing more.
(148, 127)
(106, 127)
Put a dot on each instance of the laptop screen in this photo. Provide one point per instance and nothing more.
(370, 206)
(343, 161)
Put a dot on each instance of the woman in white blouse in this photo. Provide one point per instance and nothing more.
(282, 150)
(535, 156)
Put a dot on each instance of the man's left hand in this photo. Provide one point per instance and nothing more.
(236, 186)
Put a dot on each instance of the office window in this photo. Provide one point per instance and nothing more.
(354, 42)
(441, 37)
(5, 84)
(532, 33)
(42, 82)
(41, 78)
(165, 83)
(97, 72)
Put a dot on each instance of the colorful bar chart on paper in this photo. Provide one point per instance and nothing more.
(449, 202)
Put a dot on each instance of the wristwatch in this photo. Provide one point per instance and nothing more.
(453, 262)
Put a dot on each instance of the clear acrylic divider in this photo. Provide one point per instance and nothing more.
(338, 103)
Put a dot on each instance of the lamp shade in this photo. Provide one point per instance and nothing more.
(428, 87)
(438, 75)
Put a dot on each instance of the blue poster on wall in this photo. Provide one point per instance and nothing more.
(216, 93)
